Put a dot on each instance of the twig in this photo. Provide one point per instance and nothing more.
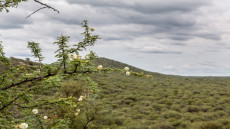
(45, 6)
(35, 11)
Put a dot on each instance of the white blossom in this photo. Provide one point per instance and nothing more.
(78, 57)
(75, 114)
(71, 59)
(71, 55)
(82, 96)
(35, 111)
(99, 67)
(127, 73)
(80, 99)
(45, 117)
(92, 29)
(126, 68)
(78, 111)
(23, 126)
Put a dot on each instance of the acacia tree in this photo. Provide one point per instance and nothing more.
(21, 89)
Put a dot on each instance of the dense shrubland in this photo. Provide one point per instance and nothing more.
(166, 102)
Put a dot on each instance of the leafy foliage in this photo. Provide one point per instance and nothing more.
(36, 52)
(20, 88)
(6, 4)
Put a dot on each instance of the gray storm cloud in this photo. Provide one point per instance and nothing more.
(169, 33)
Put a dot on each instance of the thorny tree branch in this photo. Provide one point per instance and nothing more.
(43, 77)
(45, 6)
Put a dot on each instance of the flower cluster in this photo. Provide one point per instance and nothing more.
(92, 29)
(73, 57)
(127, 71)
(81, 98)
(77, 112)
(45, 117)
(126, 68)
(35, 111)
(100, 67)
(22, 126)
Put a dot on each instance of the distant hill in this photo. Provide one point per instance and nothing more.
(99, 61)
(30, 65)
(112, 63)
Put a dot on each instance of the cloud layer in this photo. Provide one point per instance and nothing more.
(181, 37)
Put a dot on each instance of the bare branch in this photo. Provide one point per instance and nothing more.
(35, 11)
(45, 6)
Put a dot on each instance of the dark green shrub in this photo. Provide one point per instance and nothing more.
(72, 88)
(172, 114)
(153, 116)
(211, 125)
(218, 108)
(163, 126)
(193, 109)
(138, 127)
(175, 107)
(120, 121)
(206, 108)
(115, 106)
(177, 123)
(157, 107)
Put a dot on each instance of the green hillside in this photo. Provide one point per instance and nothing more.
(160, 102)
(112, 63)
(163, 102)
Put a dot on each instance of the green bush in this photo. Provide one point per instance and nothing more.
(73, 88)
(193, 109)
(163, 126)
(171, 114)
(211, 125)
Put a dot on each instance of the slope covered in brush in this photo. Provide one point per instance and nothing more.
(163, 102)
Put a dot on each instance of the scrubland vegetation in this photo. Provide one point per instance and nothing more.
(160, 102)
(163, 102)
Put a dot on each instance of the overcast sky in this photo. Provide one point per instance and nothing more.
(179, 37)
